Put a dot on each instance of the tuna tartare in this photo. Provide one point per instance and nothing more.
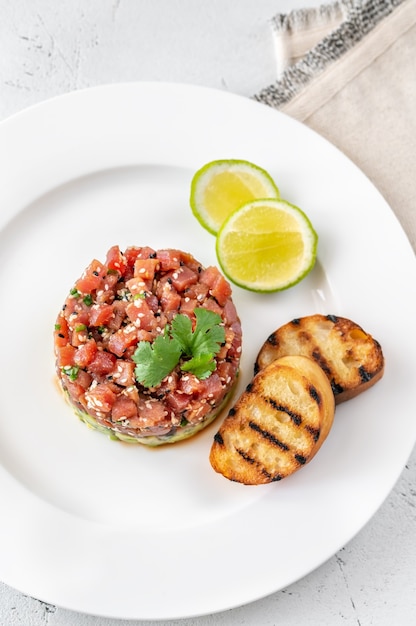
(148, 345)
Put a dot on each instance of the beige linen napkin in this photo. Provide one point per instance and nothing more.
(356, 86)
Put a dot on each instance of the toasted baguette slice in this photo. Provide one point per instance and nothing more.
(277, 425)
(351, 358)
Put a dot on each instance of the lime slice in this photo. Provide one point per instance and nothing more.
(267, 245)
(221, 187)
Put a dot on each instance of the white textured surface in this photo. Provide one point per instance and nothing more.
(48, 48)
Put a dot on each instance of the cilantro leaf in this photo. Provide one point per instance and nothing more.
(157, 360)
(207, 336)
(182, 331)
(197, 348)
(202, 365)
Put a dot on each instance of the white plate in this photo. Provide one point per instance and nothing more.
(123, 531)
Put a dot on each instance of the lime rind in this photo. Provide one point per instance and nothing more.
(206, 174)
(309, 237)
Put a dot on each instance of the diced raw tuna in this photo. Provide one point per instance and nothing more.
(131, 298)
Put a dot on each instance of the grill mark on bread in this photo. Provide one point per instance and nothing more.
(246, 457)
(218, 438)
(266, 434)
(315, 432)
(300, 459)
(272, 339)
(315, 395)
(320, 359)
(332, 318)
(296, 419)
(336, 387)
(249, 459)
(259, 466)
(364, 375)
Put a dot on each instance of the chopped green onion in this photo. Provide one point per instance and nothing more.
(74, 292)
(80, 328)
(57, 327)
(88, 300)
(71, 371)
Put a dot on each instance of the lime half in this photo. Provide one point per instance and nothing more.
(221, 187)
(267, 245)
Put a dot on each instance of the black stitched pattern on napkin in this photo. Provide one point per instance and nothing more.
(361, 17)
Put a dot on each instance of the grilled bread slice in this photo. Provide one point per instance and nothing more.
(350, 357)
(277, 425)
